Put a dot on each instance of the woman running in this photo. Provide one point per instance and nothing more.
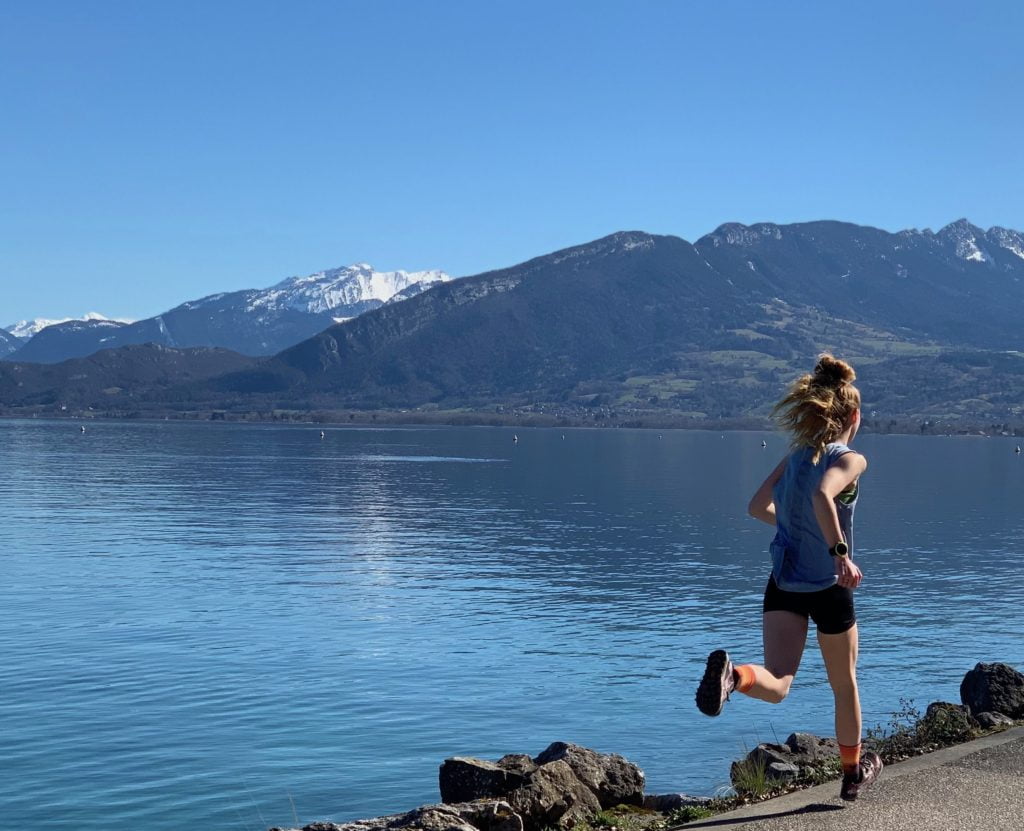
(809, 498)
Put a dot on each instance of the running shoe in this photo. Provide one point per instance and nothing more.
(716, 685)
(868, 770)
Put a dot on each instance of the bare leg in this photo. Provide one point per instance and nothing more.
(840, 655)
(785, 635)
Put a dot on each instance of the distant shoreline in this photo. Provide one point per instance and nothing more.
(505, 417)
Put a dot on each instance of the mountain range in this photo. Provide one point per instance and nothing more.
(631, 325)
(25, 329)
(252, 321)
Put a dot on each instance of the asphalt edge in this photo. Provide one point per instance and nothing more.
(829, 792)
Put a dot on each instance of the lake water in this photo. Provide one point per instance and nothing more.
(234, 626)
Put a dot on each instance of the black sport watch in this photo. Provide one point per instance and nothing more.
(840, 549)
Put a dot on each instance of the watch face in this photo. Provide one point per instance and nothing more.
(840, 549)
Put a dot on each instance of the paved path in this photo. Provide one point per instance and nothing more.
(978, 786)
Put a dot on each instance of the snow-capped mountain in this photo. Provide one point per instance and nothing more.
(252, 321)
(326, 292)
(71, 338)
(25, 329)
(975, 245)
(339, 288)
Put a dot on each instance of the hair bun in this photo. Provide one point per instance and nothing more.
(832, 372)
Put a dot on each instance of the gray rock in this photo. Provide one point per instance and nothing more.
(490, 815)
(782, 772)
(313, 826)
(667, 802)
(806, 748)
(554, 797)
(434, 818)
(463, 779)
(800, 752)
(994, 688)
(613, 779)
(768, 754)
(937, 707)
(946, 722)
(518, 763)
(761, 756)
(493, 815)
(991, 720)
(358, 825)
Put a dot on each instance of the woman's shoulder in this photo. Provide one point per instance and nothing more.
(837, 450)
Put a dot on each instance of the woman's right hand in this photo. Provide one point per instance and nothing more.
(848, 573)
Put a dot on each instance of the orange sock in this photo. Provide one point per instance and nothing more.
(850, 757)
(744, 677)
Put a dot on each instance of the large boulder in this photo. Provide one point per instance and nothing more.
(994, 688)
(563, 786)
(807, 749)
(785, 762)
(554, 798)
(463, 778)
(609, 776)
(946, 723)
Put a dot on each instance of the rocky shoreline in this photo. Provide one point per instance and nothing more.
(568, 786)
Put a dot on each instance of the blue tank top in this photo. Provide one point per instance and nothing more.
(800, 558)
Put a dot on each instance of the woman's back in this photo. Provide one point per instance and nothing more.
(800, 558)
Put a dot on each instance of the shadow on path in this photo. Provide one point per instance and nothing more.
(724, 822)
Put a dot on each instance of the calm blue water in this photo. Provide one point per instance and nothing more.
(234, 626)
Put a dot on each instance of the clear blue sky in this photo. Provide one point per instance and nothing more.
(152, 153)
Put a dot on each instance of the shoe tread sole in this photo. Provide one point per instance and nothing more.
(709, 693)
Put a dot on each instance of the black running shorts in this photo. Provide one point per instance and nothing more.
(831, 609)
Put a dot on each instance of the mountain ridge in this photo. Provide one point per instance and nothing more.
(250, 321)
(27, 328)
(637, 323)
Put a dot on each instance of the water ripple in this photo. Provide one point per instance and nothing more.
(206, 624)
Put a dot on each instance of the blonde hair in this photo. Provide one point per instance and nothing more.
(819, 405)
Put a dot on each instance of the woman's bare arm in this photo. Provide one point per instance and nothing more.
(838, 478)
(761, 505)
